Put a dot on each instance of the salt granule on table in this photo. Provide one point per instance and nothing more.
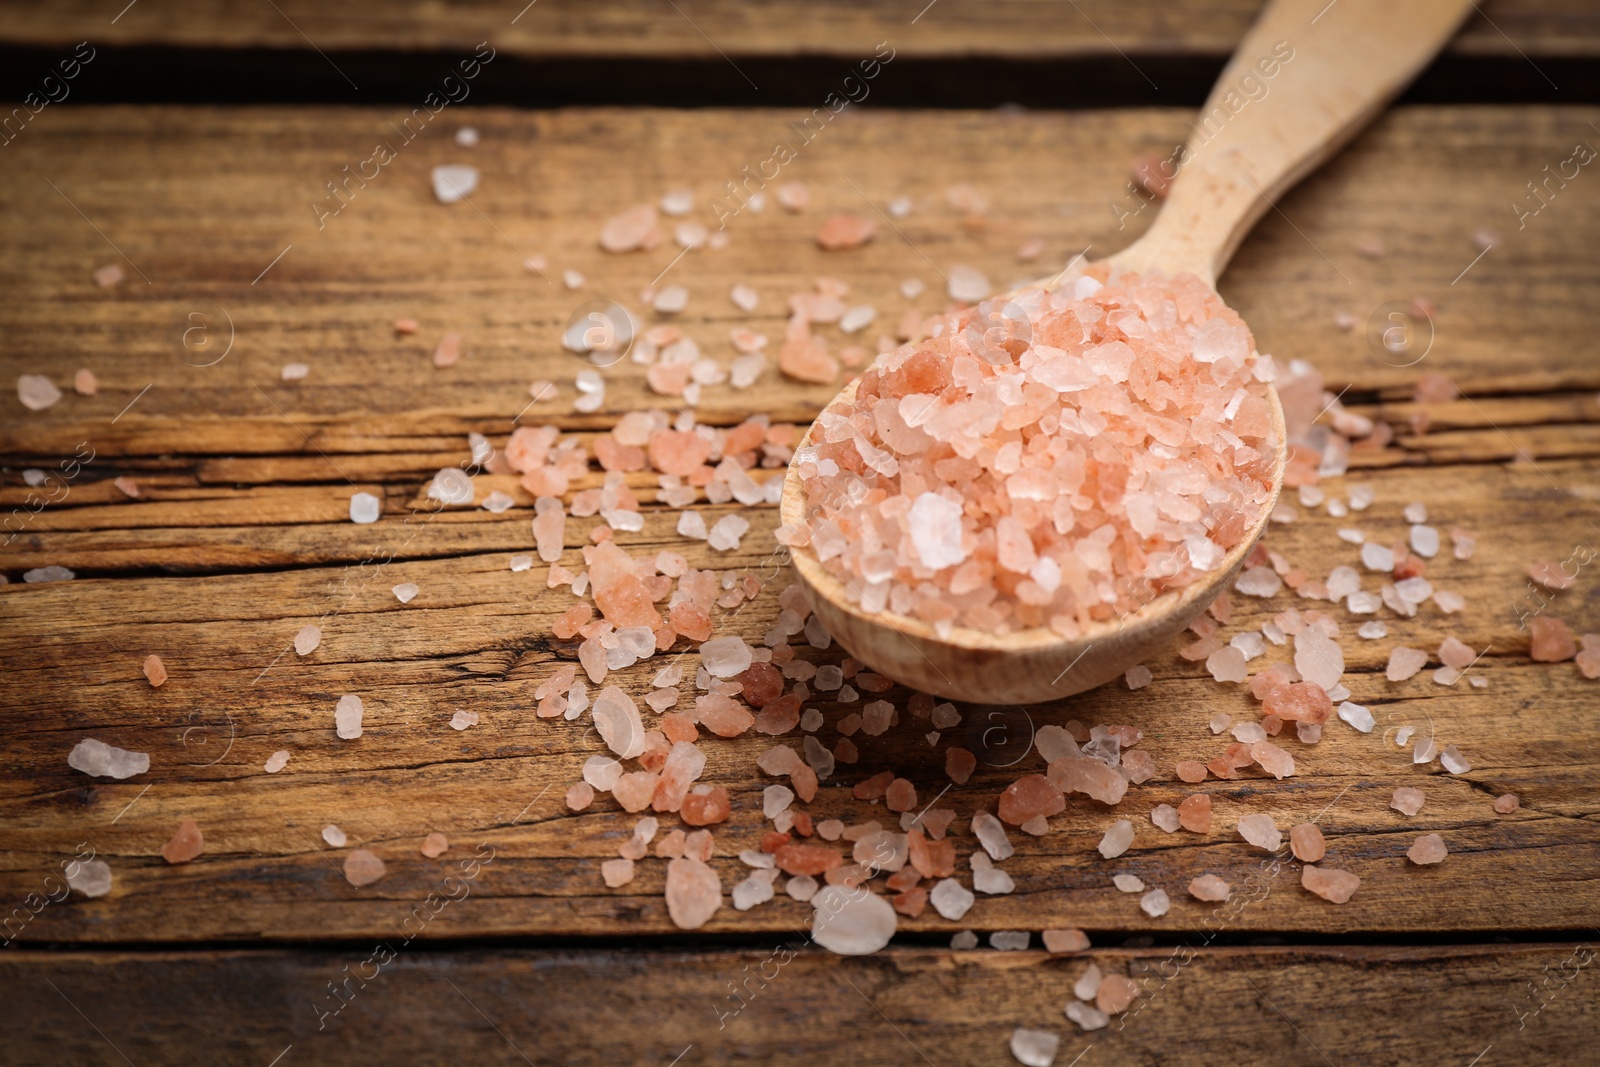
(951, 899)
(307, 639)
(362, 868)
(1261, 832)
(1165, 817)
(1307, 843)
(1155, 903)
(1064, 941)
(92, 878)
(365, 508)
(155, 671)
(1429, 848)
(334, 836)
(1117, 838)
(187, 843)
(1010, 940)
(1034, 1048)
(463, 719)
(1128, 883)
(1088, 983)
(1407, 800)
(277, 761)
(1331, 885)
(106, 761)
(1405, 662)
(37, 392)
(347, 717)
(434, 845)
(453, 182)
(1086, 1016)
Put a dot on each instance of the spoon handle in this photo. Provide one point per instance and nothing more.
(1307, 77)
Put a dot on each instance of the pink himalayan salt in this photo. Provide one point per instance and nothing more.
(434, 845)
(1407, 800)
(1405, 662)
(1194, 813)
(1457, 654)
(1261, 832)
(84, 383)
(705, 806)
(1307, 843)
(1210, 888)
(1088, 776)
(362, 867)
(959, 765)
(619, 872)
(580, 796)
(1507, 803)
(633, 229)
(1429, 848)
(1116, 993)
(1550, 640)
(1057, 942)
(694, 892)
(1300, 702)
(448, 351)
(1329, 884)
(1191, 771)
(1550, 575)
(185, 845)
(155, 671)
(842, 232)
(900, 796)
(1274, 760)
(1101, 394)
(1031, 797)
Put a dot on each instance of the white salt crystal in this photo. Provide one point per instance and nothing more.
(1086, 1016)
(1342, 581)
(450, 485)
(991, 834)
(1250, 643)
(1424, 751)
(616, 717)
(850, 922)
(334, 836)
(951, 899)
(994, 881)
(1309, 733)
(1260, 831)
(1258, 582)
(1425, 541)
(37, 392)
(1414, 590)
(750, 892)
(1227, 664)
(1165, 817)
(967, 284)
(691, 524)
(811, 720)
(106, 761)
(1416, 512)
(405, 592)
(454, 181)
(92, 878)
(1128, 883)
(1361, 497)
(1088, 983)
(277, 761)
(467, 136)
(744, 297)
(1402, 735)
(1117, 838)
(964, 941)
(726, 656)
(497, 502)
(1318, 657)
(364, 508)
(1453, 761)
(463, 719)
(521, 562)
(774, 799)
(857, 318)
(294, 372)
(1373, 630)
(1449, 602)
(1155, 903)
(725, 535)
(936, 531)
(307, 639)
(1376, 557)
(671, 300)
(1137, 677)
(602, 772)
(1249, 732)
(1351, 535)
(801, 887)
(944, 715)
(1363, 603)
(911, 288)
(347, 717)
(1274, 633)
(1034, 1048)
(1357, 716)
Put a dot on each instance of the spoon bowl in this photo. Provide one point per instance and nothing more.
(1024, 666)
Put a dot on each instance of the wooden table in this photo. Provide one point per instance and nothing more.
(240, 535)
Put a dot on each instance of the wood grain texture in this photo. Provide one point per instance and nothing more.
(241, 536)
(573, 28)
(1417, 1007)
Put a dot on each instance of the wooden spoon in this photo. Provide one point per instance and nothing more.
(1306, 78)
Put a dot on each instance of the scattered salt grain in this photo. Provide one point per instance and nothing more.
(92, 878)
(347, 717)
(1405, 662)
(852, 923)
(1128, 883)
(362, 868)
(1209, 887)
(453, 182)
(1034, 1048)
(1372, 631)
(334, 836)
(307, 639)
(951, 899)
(1116, 839)
(1137, 677)
(1165, 817)
(277, 761)
(1357, 716)
(155, 672)
(1376, 557)
(106, 761)
(1086, 1016)
(37, 392)
(405, 592)
(1261, 832)
(1155, 903)
(365, 508)
(1331, 885)
(1453, 761)
(1010, 940)
(1429, 848)
(463, 719)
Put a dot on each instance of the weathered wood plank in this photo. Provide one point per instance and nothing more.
(478, 636)
(572, 28)
(1516, 321)
(1531, 1004)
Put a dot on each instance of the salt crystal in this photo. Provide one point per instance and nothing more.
(347, 717)
(967, 285)
(1357, 716)
(294, 372)
(1452, 760)
(1318, 657)
(774, 799)
(991, 834)
(1128, 883)
(936, 531)
(1507, 803)
(1010, 940)
(37, 392)
(1227, 664)
(1307, 843)
(106, 761)
(1086, 1016)
(1373, 630)
(1260, 831)
(1407, 800)
(405, 592)
(1209, 887)
(851, 923)
(1331, 885)
(92, 878)
(964, 941)
(521, 562)
(307, 639)
(1361, 497)
(463, 719)
(1137, 677)
(1427, 849)
(692, 525)
(726, 657)
(1165, 817)
(616, 718)
(365, 508)
(454, 182)
(155, 671)
(277, 761)
(1258, 582)
(951, 899)
(1424, 751)
(1425, 541)
(993, 881)
(334, 836)
(1155, 903)
(725, 535)
(1405, 662)
(185, 844)
(1116, 839)
(1376, 557)
(1034, 1048)
(694, 893)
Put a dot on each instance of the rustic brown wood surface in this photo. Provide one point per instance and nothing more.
(1280, 1005)
(576, 28)
(241, 536)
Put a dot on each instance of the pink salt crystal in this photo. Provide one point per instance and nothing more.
(1274, 760)
(1194, 813)
(155, 671)
(1165, 817)
(362, 867)
(1191, 771)
(1060, 942)
(434, 845)
(1299, 702)
(1329, 884)
(580, 796)
(1137, 677)
(107, 276)
(1261, 832)
(793, 196)
(1209, 887)
(1550, 640)
(1550, 575)
(901, 795)
(277, 761)
(1090, 776)
(1030, 797)
(1139, 766)
(633, 229)
(1507, 803)
(1454, 653)
(841, 232)
(1227, 665)
(84, 383)
(1116, 839)
(1429, 848)
(1307, 843)
(185, 845)
(1115, 994)
(1318, 658)
(448, 352)
(851, 923)
(705, 808)
(959, 765)
(1407, 800)
(619, 872)
(307, 639)
(36, 392)
(1155, 903)
(1405, 662)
